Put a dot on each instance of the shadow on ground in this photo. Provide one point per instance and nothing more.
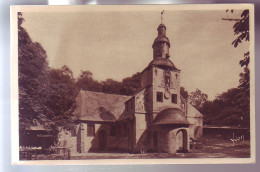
(207, 148)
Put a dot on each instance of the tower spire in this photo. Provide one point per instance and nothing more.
(162, 16)
(161, 43)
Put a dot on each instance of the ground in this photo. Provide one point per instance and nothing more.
(209, 147)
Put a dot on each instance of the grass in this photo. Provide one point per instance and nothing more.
(224, 146)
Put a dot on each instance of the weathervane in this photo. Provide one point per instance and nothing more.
(162, 16)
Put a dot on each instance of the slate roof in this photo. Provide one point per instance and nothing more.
(36, 128)
(96, 106)
(161, 38)
(163, 62)
(171, 116)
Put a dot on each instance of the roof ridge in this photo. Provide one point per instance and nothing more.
(105, 93)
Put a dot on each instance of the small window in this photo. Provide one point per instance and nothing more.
(112, 130)
(159, 97)
(174, 98)
(74, 132)
(91, 130)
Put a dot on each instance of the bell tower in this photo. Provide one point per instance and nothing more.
(158, 104)
(161, 75)
(161, 43)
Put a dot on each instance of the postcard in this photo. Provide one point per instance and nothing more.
(139, 84)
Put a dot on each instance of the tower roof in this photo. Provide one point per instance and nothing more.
(171, 116)
(161, 38)
(161, 35)
(162, 62)
(161, 25)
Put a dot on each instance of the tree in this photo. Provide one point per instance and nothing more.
(184, 93)
(229, 108)
(111, 86)
(32, 75)
(128, 86)
(244, 99)
(60, 100)
(131, 84)
(231, 112)
(197, 99)
(241, 28)
(86, 82)
(45, 95)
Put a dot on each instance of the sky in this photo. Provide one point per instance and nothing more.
(117, 44)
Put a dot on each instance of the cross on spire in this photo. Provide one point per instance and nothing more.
(162, 16)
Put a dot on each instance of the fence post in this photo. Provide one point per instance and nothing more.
(233, 139)
(68, 154)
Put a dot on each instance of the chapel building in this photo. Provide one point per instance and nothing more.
(155, 119)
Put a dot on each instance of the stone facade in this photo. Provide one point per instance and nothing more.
(156, 119)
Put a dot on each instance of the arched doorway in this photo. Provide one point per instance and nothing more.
(182, 140)
(102, 140)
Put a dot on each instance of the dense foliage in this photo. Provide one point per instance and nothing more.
(241, 28)
(128, 86)
(231, 107)
(33, 77)
(46, 96)
(197, 99)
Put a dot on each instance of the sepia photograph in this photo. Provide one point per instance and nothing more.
(163, 83)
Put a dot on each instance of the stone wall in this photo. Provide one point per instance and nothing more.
(140, 130)
(146, 77)
(82, 143)
(171, 138)
(159, 86)
(65, 139)
(195, 118)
